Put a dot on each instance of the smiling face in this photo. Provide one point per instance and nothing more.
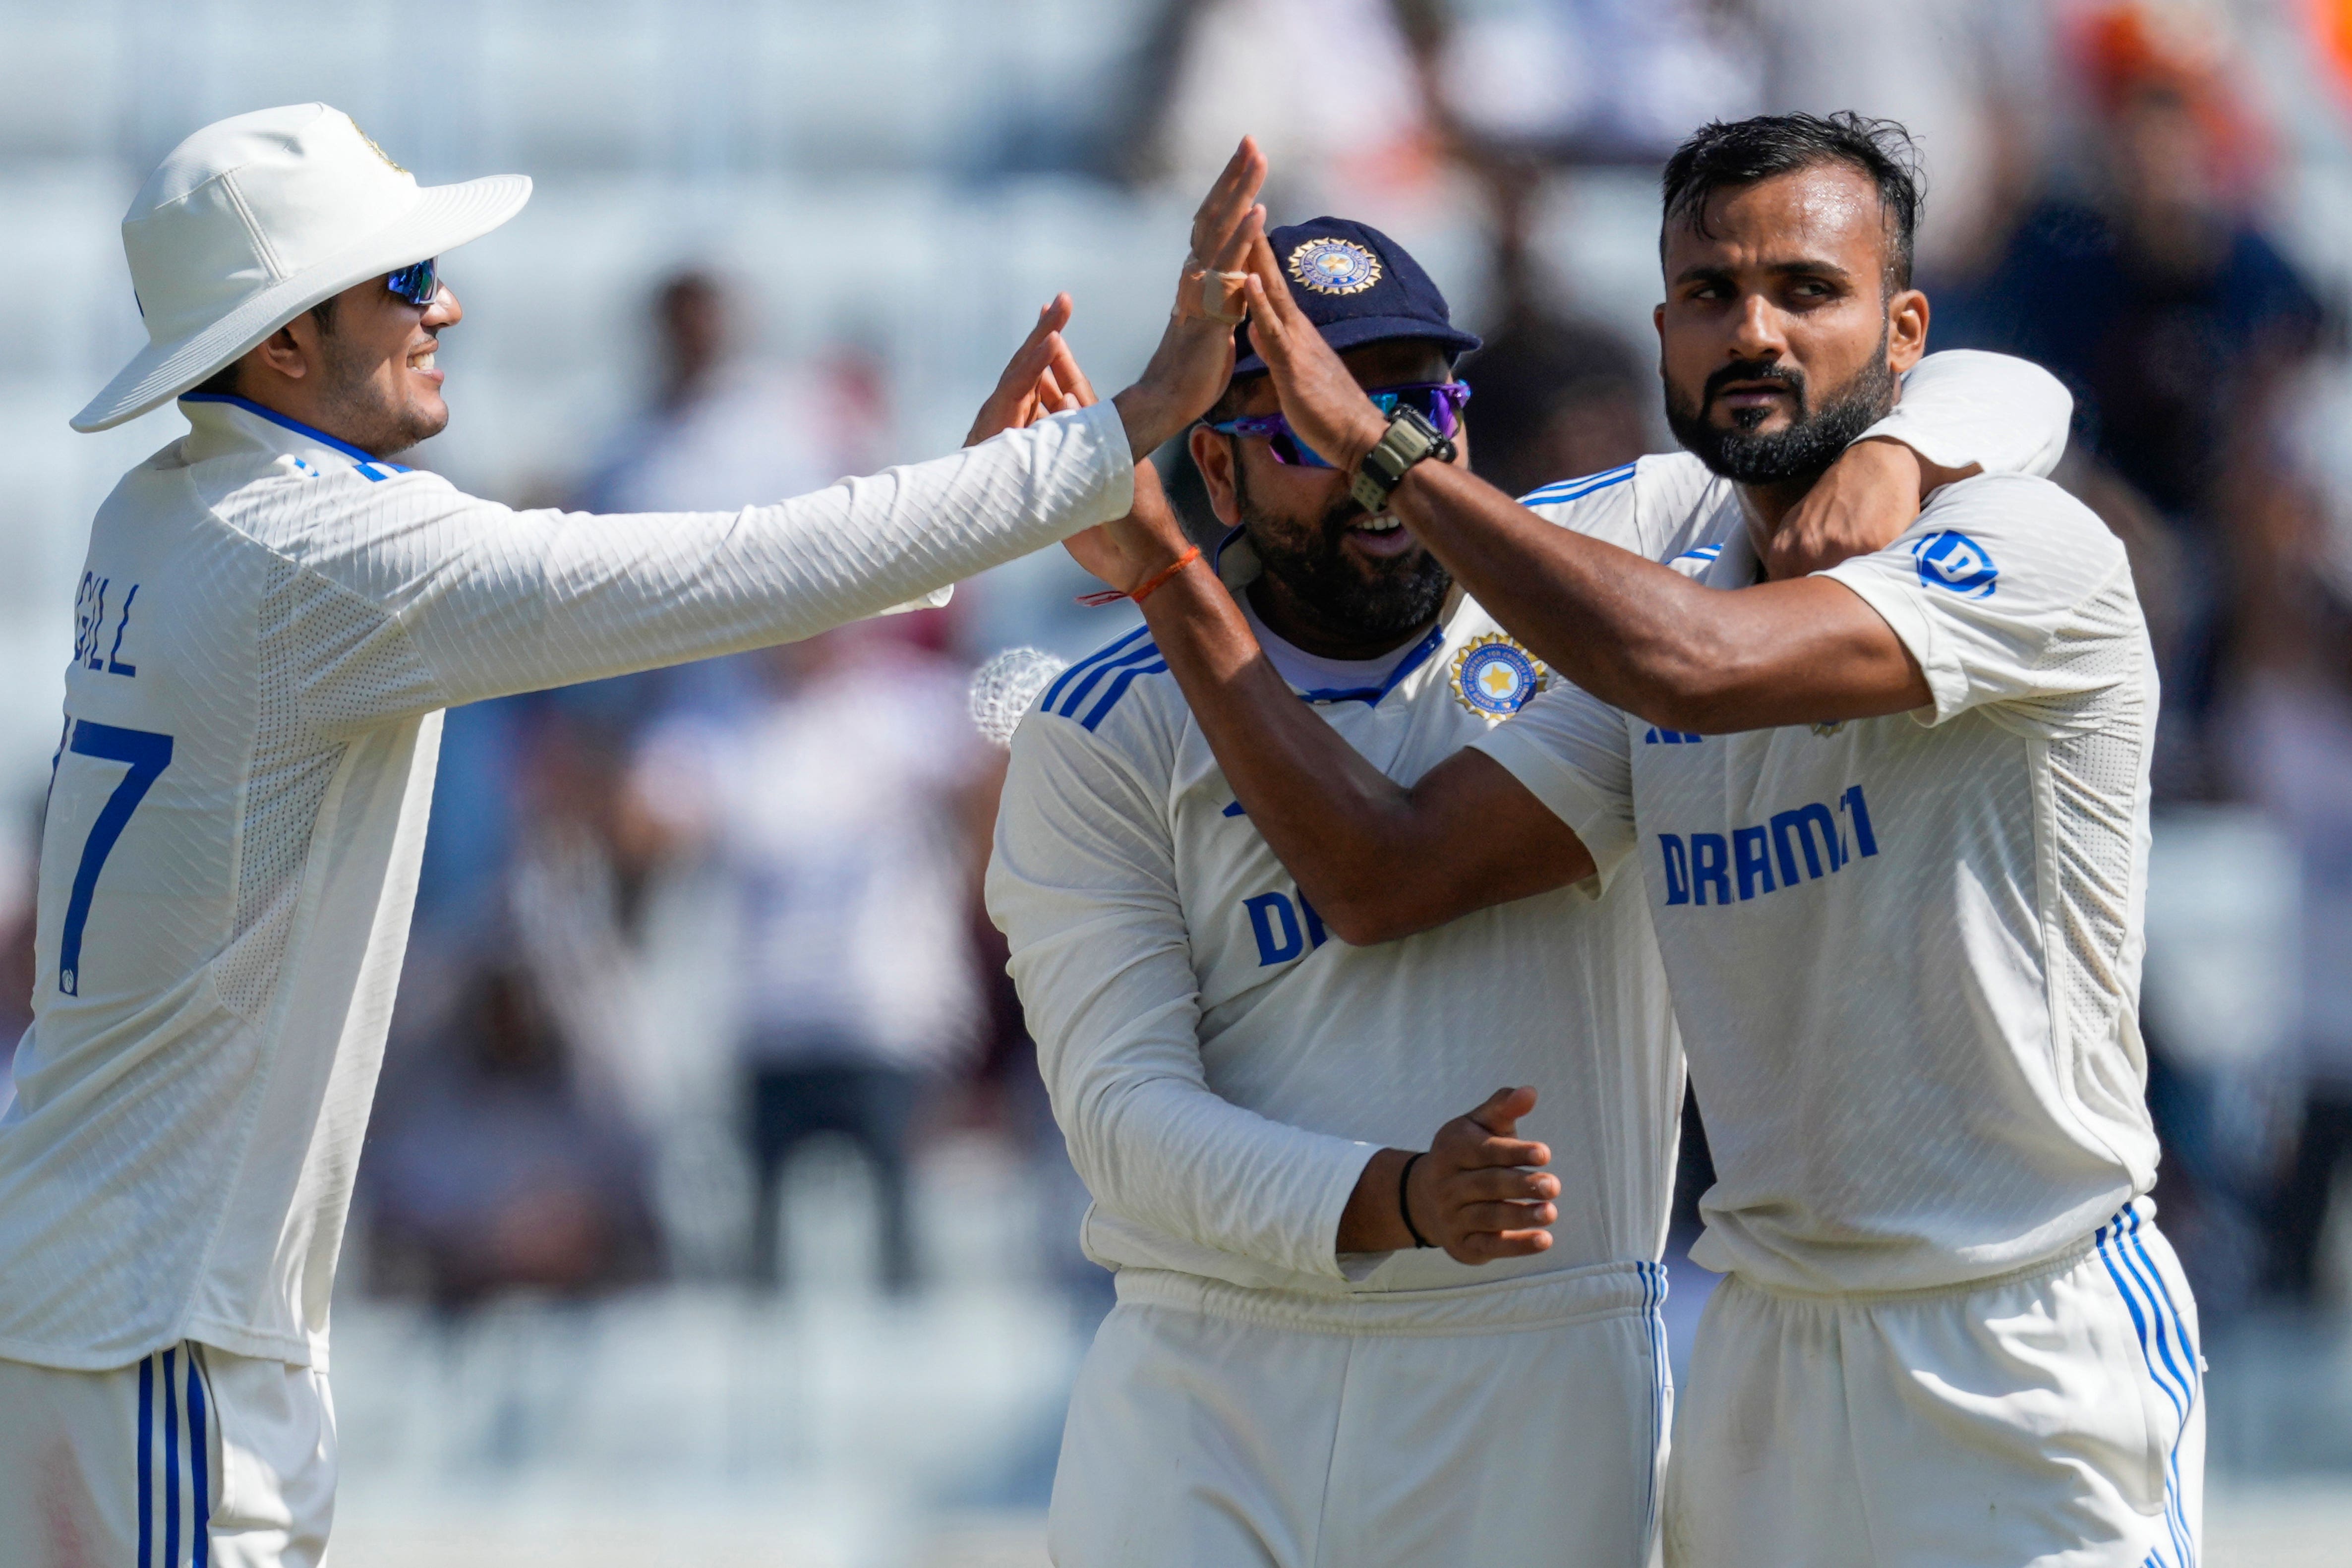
(1779, 340)
(366, 375)
(1337, 583)
(379, 377)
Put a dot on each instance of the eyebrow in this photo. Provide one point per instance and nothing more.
(1807, 267)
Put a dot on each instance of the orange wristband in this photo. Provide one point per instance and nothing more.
(1142, 590)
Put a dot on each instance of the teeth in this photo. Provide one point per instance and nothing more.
(1382, 523)
(423, 361)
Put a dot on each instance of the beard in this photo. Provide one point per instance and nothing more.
(361, 411)
(1389, 599)
(1813, 438)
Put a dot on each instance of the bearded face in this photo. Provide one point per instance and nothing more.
(1730, 438)
(1351, 592)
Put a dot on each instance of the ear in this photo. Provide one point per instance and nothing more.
(285, 352)
(1907, 330)
(1214, 456)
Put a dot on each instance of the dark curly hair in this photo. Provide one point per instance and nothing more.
(1724, 157)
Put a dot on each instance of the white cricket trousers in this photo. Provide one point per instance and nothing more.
(191, 1458)
(2053, 1416)
(1217, 1427)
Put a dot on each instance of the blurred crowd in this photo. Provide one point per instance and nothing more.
(681, 934)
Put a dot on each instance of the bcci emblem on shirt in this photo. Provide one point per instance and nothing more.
(1493, 676)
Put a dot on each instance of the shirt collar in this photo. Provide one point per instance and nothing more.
(219, 422)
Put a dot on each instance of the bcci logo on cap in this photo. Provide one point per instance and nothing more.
(1493, 676)
(1335, 266)
(1954, 560)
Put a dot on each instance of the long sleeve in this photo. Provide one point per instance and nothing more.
(492, 601)
(1965, 406)
(1084, 885)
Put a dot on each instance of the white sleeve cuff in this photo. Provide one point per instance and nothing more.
(1607, 836)
(1966, 407)
(1947, 684)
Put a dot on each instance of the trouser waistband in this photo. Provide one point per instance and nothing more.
(1548, 1300)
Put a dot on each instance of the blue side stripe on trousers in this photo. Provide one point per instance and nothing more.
(1654, 1296)
(200, 1500)
(2151, 1284)
(171, 1464)
(2176, 1520)
(2109, 1241)
(147, 1463)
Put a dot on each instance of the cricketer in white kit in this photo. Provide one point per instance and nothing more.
(270, 620)
(1227, 1075)
(1892, 825)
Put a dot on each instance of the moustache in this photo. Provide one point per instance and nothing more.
(1753, 370)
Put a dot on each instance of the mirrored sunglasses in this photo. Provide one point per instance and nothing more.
(1440, 402)
(419, 283)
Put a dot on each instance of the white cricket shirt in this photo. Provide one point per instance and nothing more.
(1905, 951)
(268, 625)
(1223, 1069)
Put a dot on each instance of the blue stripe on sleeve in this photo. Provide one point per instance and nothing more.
(1142, 654)
(1118, 690)
(1081, 677)
(1577, 489)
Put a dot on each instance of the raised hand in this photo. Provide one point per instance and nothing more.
(1194, 360)
(1043, 377)
(1476, 1193)
(1326, 407)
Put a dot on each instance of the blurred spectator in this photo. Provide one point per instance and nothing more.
(1969, 78)
(723, 430)
(1333, 90)
(493, 1166)
(1553, 400)
(2175, 320)
(840, 811)
(2291, 750)
(1593, 81)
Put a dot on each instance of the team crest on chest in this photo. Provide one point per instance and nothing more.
(1335, 266)
(1493, 676)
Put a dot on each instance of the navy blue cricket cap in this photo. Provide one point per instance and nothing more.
(1358, 287)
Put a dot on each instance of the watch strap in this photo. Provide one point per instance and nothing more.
(1408, 439)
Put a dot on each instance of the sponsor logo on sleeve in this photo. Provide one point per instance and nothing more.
(1949, 559)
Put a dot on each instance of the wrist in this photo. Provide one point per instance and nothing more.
(1357, 444)
(1370, 1222)
(1145, 416)
(1897, 457)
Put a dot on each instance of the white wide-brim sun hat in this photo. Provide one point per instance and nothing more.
(254, 219)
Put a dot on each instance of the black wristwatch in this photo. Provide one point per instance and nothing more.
(1410, 439)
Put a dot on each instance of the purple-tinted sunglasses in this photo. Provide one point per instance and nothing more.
(1440, 402)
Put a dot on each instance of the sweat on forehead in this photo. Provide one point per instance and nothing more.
(1719, 159)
